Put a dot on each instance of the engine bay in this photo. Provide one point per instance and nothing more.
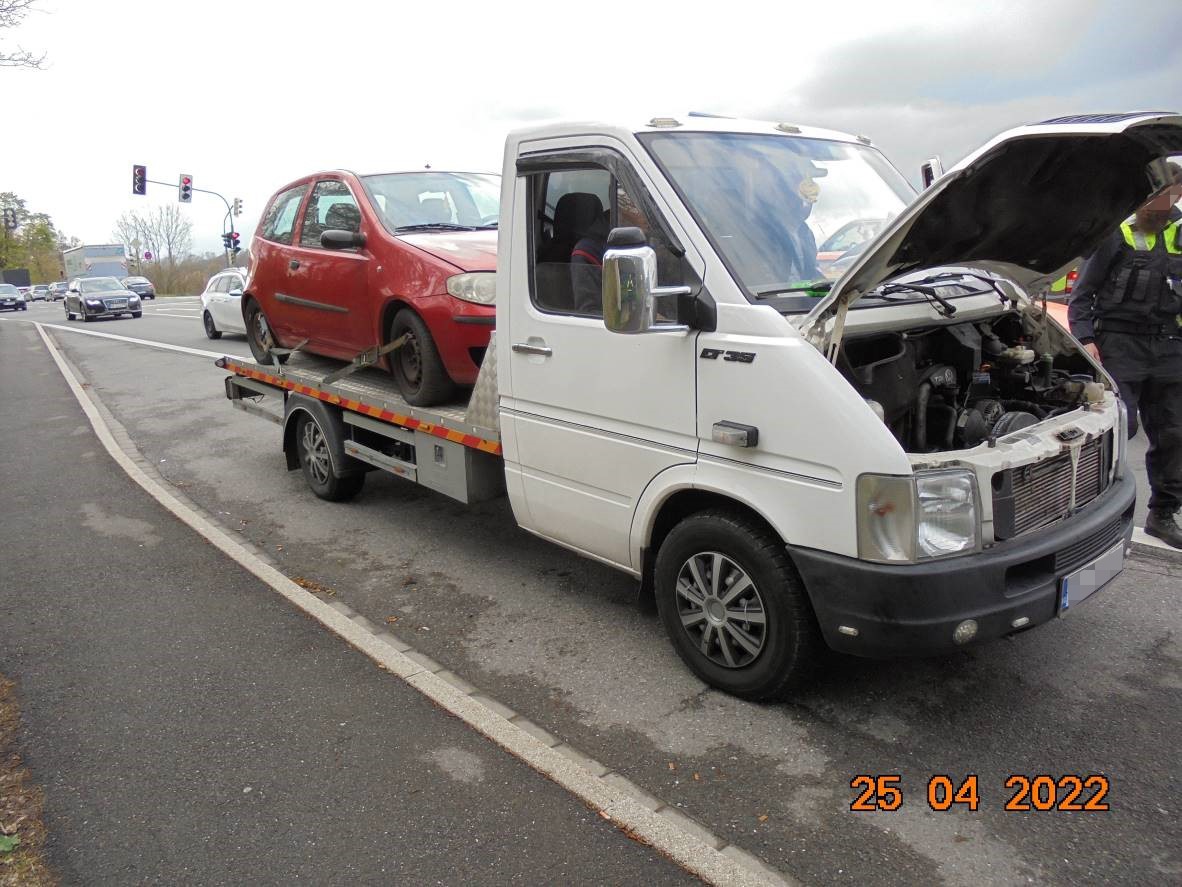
(957, 386)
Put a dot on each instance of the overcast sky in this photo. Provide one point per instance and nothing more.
(247, 96)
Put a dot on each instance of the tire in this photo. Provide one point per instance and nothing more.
(70, 315)
(259, 336)
(416, 366)
(316, 461)
(86, 318)
(137, 314)
(721, 644)
(210, 330)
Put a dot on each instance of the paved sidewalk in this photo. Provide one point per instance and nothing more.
(190, 727)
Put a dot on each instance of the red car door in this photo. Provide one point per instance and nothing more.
(326, 291)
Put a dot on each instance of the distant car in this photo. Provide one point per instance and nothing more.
(57, 291)
(141, 286)
(39, 292)
(847, 241)
(221, 303)
(91, 297)
(11, 298)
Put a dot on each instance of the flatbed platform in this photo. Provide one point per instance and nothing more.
(372, 392)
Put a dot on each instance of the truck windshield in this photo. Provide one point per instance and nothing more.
(439, 200)
(784, 212)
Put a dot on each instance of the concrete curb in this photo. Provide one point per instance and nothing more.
(641, 816)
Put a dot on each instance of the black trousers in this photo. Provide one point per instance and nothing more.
(1148, 370)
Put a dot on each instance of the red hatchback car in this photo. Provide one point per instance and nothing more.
(351, 263)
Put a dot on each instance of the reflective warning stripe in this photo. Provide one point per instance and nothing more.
(357, 406)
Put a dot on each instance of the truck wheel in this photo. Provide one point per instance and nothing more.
(316, 460)
(734, 606)
(416, 366)
(258, 334)
(210, 330)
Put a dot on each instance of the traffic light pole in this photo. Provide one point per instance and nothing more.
(228, 221)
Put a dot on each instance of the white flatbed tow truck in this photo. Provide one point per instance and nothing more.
(900, 461)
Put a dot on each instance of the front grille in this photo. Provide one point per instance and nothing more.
(1032, 496)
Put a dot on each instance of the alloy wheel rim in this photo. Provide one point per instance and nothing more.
(721, 610)
(208, 323)
(316, 452)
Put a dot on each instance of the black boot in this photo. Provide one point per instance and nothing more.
(1161, 524)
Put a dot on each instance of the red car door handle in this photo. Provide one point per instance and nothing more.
(293, 264)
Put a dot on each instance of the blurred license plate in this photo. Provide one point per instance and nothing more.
(1089, 579)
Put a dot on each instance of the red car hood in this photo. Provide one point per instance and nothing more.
(467, 250)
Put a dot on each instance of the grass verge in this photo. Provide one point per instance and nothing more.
(22, 804)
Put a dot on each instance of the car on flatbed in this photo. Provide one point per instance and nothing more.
(93, 297)
(396, 269)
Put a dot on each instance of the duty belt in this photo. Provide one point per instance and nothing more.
(1137, 329)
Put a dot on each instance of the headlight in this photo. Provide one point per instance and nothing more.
(947, 514)
(477, 286)
(133, 298)
(927, 515)
(94, 303)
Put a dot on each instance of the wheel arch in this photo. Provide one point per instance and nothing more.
(331, 423)
(677, 501)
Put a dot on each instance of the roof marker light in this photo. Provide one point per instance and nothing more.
(788, 127)
(664, 122)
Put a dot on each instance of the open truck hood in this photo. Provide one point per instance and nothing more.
(1024, 206)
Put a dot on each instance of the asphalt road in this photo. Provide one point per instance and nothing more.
(559, 639)
(188, 726)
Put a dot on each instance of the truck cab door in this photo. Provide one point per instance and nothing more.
(590, 417)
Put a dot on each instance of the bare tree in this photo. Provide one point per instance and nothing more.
(134, 232)
(172, 232)
(12, 13)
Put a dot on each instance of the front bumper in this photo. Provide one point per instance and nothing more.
(913, 609)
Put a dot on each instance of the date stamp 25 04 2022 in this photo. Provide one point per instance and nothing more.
(1068, 793)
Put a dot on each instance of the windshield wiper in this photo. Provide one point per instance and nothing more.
(815, 286)
(433, 226)
(929, 292)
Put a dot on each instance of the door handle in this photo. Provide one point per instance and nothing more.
(527, 348)
(293, 264)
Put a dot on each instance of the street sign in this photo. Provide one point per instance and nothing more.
(148, 255)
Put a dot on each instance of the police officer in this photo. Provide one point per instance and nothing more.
(1124, 309)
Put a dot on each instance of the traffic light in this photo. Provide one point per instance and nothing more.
(226, 242)
(139, 180)
(9, 218)
(185, 188)
(235, 249)
(237, 208)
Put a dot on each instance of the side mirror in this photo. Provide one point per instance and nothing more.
(630, 284)
(234, 292)
(335, 238)
(930, 171)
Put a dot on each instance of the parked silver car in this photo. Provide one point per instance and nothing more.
(221, 303)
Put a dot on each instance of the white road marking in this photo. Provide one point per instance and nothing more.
(181, 316)
(148, 342)
(616, 804)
